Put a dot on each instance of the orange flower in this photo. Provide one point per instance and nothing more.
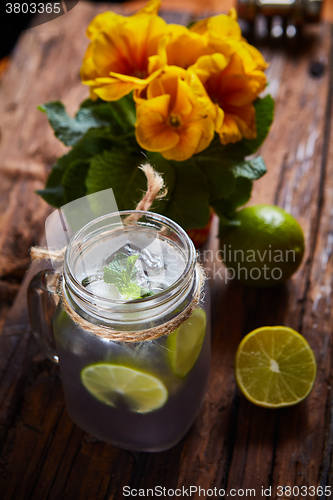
(225, 26)
(177, 118)
(233, 91)
(124, 53)
(223, 35)
(183, 47)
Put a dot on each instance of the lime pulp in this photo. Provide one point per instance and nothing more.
(185, 343)
(275, 367)
(107, 382)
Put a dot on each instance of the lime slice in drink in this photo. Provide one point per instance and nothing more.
(184, 344)
(108, 383)
(275, 367)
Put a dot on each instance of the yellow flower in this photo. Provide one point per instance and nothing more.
(183, 47)
(176, 118)
(105, 20)
(151, 7)
(225, 25)
(232, 73)
(233, 91)
(124, 53)
(223, 34)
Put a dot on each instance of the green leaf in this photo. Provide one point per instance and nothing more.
(264, 116)
(225, 207)
(251, 169)
(189, 201)
(67, 129)
(167, 170)
(131, 291)
(121, 272)
(117, 169)
(220, 179)
(224, 156)
(222, 175)
(53, 193)
(105, 155)
(130, 265)
(118, 116)
(74, 180)
(92, 143)
(237, 152)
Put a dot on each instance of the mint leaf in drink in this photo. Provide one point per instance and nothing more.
(130, 266)
(121, 272)
(131, 291)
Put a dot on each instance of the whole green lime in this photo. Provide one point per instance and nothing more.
(263, 246)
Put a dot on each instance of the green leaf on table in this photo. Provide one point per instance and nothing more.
(118, 116)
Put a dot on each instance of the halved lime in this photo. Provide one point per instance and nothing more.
(185, 343)
(275, 367)
(141, 391)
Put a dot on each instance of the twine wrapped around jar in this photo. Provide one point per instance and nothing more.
(155, 190)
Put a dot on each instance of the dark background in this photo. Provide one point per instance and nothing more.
(11, 25)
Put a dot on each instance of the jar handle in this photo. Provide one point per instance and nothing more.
(42, 303)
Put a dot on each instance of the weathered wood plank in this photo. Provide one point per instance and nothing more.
(291, 436)
(28, 149)
(45, 67)
(307, 435)
(232, 444)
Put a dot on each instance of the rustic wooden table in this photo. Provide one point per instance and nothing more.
(233, 444)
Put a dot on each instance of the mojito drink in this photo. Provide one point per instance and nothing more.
(137, 395)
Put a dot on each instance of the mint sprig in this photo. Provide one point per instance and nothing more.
(121, 272)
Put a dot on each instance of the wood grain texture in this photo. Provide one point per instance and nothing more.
(232, 444)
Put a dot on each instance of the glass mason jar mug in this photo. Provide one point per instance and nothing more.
(131, 330)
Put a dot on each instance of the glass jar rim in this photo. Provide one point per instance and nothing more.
(185, 277)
